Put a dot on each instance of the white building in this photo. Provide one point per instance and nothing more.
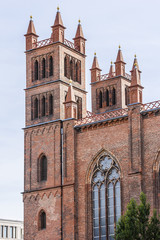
(11, 229)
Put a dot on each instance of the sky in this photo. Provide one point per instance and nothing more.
(135, 25)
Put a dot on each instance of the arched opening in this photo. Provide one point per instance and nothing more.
(42, 220)
(43, 168)
(113, 96)
(43, 106)
(106, 197)
(107, 97)
(100, 99)
(36, 70)
(71, 69)
(36, 108)
(50, 104)
(51, 66)
(65, 67)
(43, 68)
(76, 72)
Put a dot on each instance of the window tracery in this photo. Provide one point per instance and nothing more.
(106, 198)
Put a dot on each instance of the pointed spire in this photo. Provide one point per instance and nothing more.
(95, 64)
(79, 32)
(120, 64)
(31, 28)
(70, 93)
(111, 71)
(119, 55)
(58, 20)
(135, 62)
(135, 80)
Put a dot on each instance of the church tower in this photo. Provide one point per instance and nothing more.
(110, 91)
(55, 96)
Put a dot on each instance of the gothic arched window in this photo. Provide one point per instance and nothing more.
(43, 168)
(113, 96)
(100, 99)
(50, 104)
(36, 70)
(42, 220)
(65, 67)
(36, 108)
(43, 106)
(71, 69)
(43, 68)
(107, 97)
(106, 198)
(51, 66)
(76, 72)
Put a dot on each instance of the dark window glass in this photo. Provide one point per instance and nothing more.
(43, 68)
(65, 67)
(100, 99)
(113, 96)
(107, 97)
(43, 168)
(36, 108)
(71, 69)
(79, 108)
(106, 198)
(51, 66)
(76, 72)
(50, 104)
(36, 70)
(43, 106)
(42, 220)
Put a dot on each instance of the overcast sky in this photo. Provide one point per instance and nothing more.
(134, 24)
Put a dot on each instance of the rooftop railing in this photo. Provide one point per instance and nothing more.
(49, 41)
(95, 118)
(106, 76)
(91, 117)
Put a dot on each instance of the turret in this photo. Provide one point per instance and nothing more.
(95, 70)
(31, 36)
(70, 104)
(135, 90)
(120, 64)
(58, 28)
(79, 40)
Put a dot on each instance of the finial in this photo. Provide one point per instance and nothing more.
(135, 56)
(58, 8)
(119, 46)
(31, 17)
(95, 54)
(70, 82)
(111, 62)
(79, 21)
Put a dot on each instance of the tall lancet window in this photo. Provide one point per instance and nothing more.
(106, 198)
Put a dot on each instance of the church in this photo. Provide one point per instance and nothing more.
(81, 168)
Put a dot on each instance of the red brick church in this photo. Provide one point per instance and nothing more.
(82, 168)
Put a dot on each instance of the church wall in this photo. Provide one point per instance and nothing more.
(112, 138)
(50, 202)
(151, 147)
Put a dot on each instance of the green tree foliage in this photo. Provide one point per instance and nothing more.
(136, 225)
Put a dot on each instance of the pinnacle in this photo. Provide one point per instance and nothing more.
(79, 32)
(58, 19)
(95, 62)
(119, 56)
(31, 28)
(70, 94)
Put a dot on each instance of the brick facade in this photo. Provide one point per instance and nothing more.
(73, 146)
